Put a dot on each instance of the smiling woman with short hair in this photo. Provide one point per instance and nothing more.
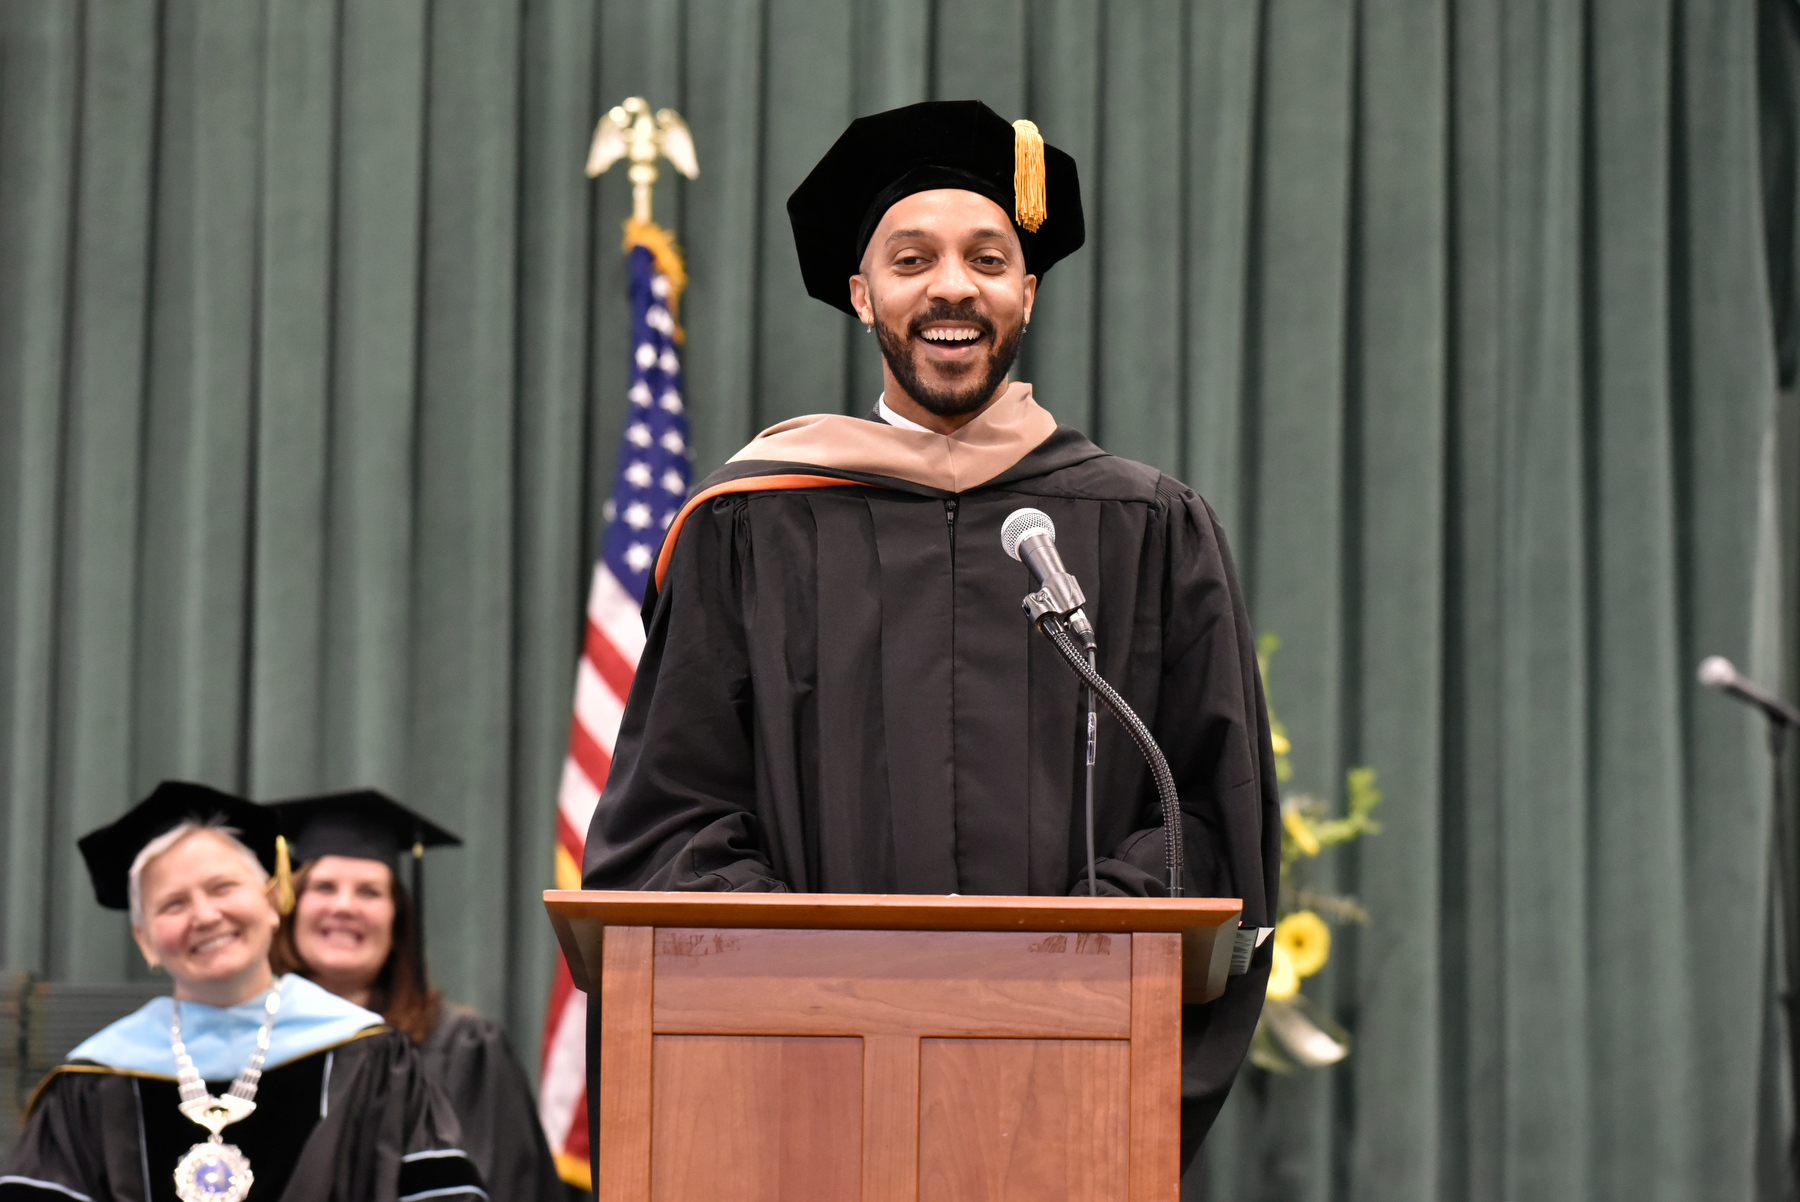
(239, 1077)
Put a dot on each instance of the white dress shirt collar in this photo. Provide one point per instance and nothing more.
(894, 419)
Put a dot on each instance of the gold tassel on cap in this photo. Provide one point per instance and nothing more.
(1028, 175)
(284, 877)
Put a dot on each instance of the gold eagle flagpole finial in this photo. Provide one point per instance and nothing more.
(631, 131)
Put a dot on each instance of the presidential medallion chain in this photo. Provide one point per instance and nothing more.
(215, 1171)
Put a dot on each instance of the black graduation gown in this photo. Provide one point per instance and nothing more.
(353, 1123)
(839, 693)
(471, 1060)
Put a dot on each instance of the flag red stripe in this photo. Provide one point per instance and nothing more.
(562, 986)
(576, 1145)
(608, 661)
(573, 841)
(588, 755)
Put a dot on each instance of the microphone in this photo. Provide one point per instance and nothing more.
(1717, 672)
(1029, 536)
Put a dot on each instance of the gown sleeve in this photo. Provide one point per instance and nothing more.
(389, 1133)
(1212, 725)
(678, 808)
(471, 1060)
(61, 1154)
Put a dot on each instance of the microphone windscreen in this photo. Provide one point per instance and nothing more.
(1716, 672)
(1022, 524)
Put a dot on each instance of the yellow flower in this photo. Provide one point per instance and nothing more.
(1300, 831)
(1284, 982)
(1306, 940)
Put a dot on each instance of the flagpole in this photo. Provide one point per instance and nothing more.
(651, 482)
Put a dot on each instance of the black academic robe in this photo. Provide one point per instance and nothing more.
(839, 693)
(471, 1060)
(353, 1123)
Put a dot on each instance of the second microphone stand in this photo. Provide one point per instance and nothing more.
(1781, 717)
(1787, 910)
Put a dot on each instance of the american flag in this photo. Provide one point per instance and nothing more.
(652, 483)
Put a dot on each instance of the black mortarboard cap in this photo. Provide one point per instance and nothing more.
(110, 850)
(366, 825)
(360, 823)
(887, 156)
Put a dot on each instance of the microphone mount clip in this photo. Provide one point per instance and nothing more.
(1061, 596)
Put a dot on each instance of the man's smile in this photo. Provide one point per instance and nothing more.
(951, 334)
(952, 342)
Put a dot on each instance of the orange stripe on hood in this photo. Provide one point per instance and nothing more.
(747, 484)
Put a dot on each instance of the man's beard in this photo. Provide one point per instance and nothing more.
(897, 349)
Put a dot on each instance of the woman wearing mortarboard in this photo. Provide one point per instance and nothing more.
(356, 931)
(241, 1080)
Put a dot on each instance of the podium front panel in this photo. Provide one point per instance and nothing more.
(755, 1118)
(1018, 1120)
(890, 1066)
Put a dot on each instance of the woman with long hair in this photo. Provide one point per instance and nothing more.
(356, 931)
(240, 1077)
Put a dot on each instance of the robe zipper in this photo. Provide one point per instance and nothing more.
(950, 526)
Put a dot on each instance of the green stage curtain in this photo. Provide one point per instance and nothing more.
(1474, 319)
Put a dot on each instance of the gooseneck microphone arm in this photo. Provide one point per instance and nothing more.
(1173, 857)
(1055, 609)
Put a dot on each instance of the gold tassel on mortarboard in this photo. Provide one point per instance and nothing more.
(284, 877)
(1028, 175)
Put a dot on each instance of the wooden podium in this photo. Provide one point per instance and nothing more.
(770, 1047)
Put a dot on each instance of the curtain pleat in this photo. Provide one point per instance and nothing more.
(39, 116)
(1464, 314)
(1396, 509)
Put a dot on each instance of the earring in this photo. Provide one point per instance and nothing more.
(868, 327)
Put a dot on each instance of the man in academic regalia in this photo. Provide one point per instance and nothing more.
(241, 1085)
(839, 692)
